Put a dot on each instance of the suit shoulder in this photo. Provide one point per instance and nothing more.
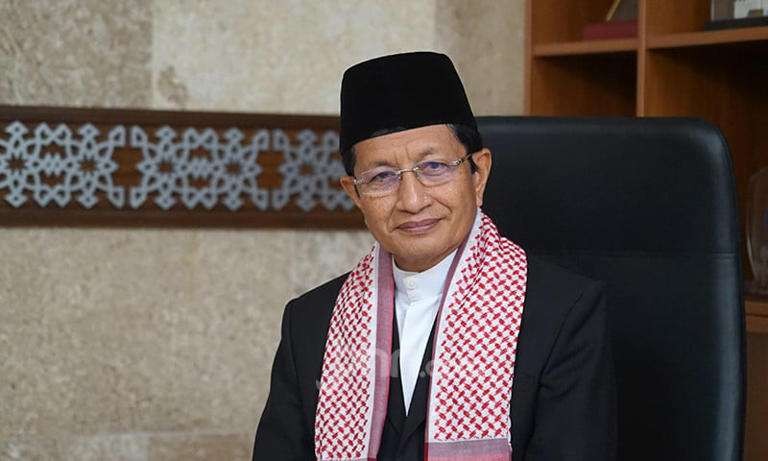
(311, 314)
(553, 289)
(546, 274)
(320, 297)
(551, 293)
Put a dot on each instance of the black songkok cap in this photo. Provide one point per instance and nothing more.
(407, 90)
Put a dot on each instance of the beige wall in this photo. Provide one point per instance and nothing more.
(157, 344)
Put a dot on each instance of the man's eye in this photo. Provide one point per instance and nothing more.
(433, 167)
(384, 176)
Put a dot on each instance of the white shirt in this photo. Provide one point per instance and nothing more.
(417, 298)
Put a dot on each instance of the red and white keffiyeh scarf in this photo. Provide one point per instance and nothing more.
(474, 348)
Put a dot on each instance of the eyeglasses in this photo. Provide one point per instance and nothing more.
(382, 181)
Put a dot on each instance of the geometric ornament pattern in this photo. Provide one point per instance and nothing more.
(197, 168)
(85, 165)
(313, 186)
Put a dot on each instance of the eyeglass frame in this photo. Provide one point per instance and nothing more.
(415, 170)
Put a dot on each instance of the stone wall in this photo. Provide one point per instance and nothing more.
(150, 344)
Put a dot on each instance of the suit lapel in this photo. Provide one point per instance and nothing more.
(395, 403)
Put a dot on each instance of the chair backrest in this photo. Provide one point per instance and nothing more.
(647, 205)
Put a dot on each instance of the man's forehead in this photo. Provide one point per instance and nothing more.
(414, 141)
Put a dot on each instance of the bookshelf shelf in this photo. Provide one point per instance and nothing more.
(586, 47)
(704, 38)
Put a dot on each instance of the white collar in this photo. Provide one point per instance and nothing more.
(422, 285)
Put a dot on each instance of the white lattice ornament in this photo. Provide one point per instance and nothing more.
(196, 168)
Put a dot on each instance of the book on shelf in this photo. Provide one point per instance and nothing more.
(610, 29)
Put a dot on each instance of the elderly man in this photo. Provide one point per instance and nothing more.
(446, 341)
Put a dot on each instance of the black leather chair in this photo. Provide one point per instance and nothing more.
(647, 205)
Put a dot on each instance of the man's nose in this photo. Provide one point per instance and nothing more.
(412, 195)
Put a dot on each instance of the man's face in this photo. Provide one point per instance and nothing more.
(420, 225)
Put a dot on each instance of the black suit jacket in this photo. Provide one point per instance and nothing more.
(563, 404)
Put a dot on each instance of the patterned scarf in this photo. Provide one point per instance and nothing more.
(474, 348)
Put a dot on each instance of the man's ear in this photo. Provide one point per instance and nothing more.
(348, 184)
(483, 161)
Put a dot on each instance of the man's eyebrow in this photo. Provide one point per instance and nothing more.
(376, 163)
(427, 152)
(419, 156)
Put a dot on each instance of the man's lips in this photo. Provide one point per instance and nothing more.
(418, 226)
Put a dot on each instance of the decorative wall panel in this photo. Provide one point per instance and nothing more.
(61, 166)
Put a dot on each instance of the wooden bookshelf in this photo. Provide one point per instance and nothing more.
(756, 446)
(674, 67)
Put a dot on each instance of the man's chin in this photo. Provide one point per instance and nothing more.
(418, 262)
